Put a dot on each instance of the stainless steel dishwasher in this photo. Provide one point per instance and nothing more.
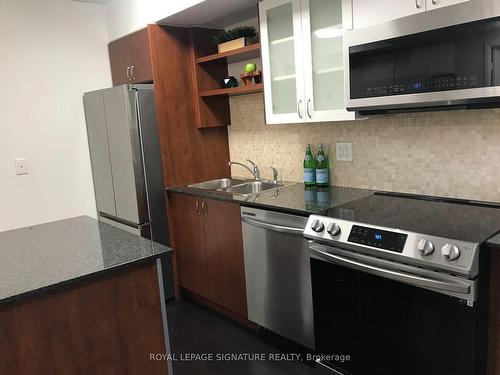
(277, 272)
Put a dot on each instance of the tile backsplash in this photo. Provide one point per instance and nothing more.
(455, 154)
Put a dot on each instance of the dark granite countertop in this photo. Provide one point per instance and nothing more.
(294, 199)
(50, 255)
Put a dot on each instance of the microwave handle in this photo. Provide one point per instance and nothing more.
(389, 274)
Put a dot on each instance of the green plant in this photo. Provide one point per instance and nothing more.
(236, 33)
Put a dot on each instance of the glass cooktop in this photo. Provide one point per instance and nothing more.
(457, 219)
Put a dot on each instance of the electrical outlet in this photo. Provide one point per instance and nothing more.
(21, 166)
(344, 151)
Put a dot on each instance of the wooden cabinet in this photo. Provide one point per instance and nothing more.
(225, 264)
(190, 244)
(303, 63)
(209, 250)
(130, 59)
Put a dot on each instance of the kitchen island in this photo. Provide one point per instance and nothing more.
(79, 296)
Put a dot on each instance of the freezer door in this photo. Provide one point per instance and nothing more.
(126, 154)
(99, 152)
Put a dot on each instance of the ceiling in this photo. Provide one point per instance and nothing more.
(214, 13)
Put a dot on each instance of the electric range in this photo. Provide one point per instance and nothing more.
(399, 285)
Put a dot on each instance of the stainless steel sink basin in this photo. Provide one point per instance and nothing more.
(221, 183)
(239, 186)
(253, 187)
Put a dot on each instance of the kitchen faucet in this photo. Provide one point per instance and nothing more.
(255, 172)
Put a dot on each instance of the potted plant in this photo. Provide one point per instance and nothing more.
(237, 37)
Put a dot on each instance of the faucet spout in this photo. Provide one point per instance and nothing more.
(255, 172)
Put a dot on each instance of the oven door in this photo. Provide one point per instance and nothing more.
(371, 320)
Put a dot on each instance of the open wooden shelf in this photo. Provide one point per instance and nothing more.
(241, 90)
(245, 53)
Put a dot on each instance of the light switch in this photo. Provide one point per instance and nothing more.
(21, 166)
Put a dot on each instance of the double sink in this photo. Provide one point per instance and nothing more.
(239, 186)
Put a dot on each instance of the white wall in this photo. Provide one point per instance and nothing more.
(52, 51)
(126, 16)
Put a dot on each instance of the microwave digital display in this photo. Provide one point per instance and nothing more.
(453, 58)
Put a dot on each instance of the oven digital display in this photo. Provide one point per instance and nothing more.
(378, 238)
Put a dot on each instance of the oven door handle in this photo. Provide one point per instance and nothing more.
(389, 274)
(273, 227)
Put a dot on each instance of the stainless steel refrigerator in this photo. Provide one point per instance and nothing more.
(126, 162)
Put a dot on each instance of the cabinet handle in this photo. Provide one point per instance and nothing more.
(435, 2)
(197, 207)
(308, 108)
(132, 72)
(299, 108)
(204, 208)
(418, 4)
(128, 73)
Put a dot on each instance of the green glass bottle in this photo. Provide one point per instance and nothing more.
(322, 168)
(309, 167)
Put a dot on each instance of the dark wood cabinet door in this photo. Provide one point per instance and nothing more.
(224, 244)
(119, 58)
(191, 257)
(141, 68)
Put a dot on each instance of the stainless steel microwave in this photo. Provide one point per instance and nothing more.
(442, 59)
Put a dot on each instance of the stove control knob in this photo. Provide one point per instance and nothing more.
(317, 226)
(333, 229)
(425, 247)
(450, 252)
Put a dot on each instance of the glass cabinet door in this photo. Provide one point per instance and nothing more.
(324, 60)
(280, 27)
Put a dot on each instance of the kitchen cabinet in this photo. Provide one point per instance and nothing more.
(189, 240)
(209, 250)
(435, 4)
(302, 58)
(130, 59)
(224, 247)
(369, 12)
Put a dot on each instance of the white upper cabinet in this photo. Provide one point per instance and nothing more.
(282, 62)
(371, 12)
(323, 31)
(303, 61)
(435, 4)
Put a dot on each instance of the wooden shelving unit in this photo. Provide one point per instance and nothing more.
(209, 70)
(240, 90)
(246, 53)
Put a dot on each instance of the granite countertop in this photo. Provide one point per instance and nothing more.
(50, 255)
(294, 199)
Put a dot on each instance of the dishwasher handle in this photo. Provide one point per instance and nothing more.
(273, 227)
(403, 277)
